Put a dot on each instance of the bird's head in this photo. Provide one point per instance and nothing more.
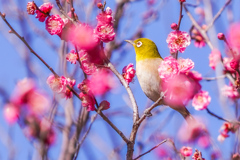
(144, 48)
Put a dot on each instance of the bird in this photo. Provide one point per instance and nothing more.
(147, 61)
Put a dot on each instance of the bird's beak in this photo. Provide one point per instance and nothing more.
(129, 41)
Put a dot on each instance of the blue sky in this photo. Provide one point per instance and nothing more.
(102, 139)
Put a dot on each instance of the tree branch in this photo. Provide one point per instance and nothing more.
(112, 125)
(129, 91)
(151, 149)
(217, 15)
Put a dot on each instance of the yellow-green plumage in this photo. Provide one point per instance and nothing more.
(148, 60)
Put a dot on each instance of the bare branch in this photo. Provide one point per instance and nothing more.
(112, 125)
(151, 149)
(129, 91)
(218, 15)
(213, 78)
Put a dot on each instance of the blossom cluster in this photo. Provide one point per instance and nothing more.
(181, 83)
(97, 85)
(199, 40)
(225, 129)
(230, 92)
(54, 23)
(186, 151)
(60, 85)
(104, 29)
(178, 41)
(194, 132)
(201, 100)
(128, 73)
(27, 105)
(197, 155)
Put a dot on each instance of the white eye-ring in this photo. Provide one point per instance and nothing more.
(139, 44)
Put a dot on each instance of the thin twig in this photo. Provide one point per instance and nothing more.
(218, 117)
(40, 10)
(217, 15)
(72, 11)
(180, 15)
(203, 33)
(129, 91)
(112, 125)
(151, 149)
(85, 135)
(64, 13)
(213, 78)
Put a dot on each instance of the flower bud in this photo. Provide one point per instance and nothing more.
(4, 15)
(221, 36)
(104, 105)
(100, 5)
(174, 26)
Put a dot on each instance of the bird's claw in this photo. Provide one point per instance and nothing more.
(148, 114)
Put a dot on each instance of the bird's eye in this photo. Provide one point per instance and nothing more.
(139, 44)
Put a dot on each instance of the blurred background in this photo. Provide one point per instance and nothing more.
(139, 18)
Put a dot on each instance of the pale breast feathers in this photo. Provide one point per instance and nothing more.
(148, 77)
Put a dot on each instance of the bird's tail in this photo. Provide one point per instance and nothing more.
(185, 113)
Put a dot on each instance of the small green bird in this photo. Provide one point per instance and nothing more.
(148, 60)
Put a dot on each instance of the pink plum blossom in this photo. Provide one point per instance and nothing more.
(236, 156)
(45, 8)
(101, 82)
(31, 8)
(197, 155)
(86, 62)
(199, 42)
(22, 90)
(204, 141)
(168, 68)
(185, 65)
(194, 75)
(27, 96)
(128, 73)
(59, 85)
(83, 37)
(67, 93)
(38, 102)
(186, 151)
(234, 35)
(84, 86)
(198, 38)
(224, 131)
(54, 24)
(214, 58)
(104, 105)
(230, 92)
(105, 17)
(227, 65)
(11, 113)
(47, 134)
(105, 32)
(179, 90)
(72, 56)
(178, 41)
(191, 132)
(55, 84)
(201, 100)
(234, 64)
(87, 101)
